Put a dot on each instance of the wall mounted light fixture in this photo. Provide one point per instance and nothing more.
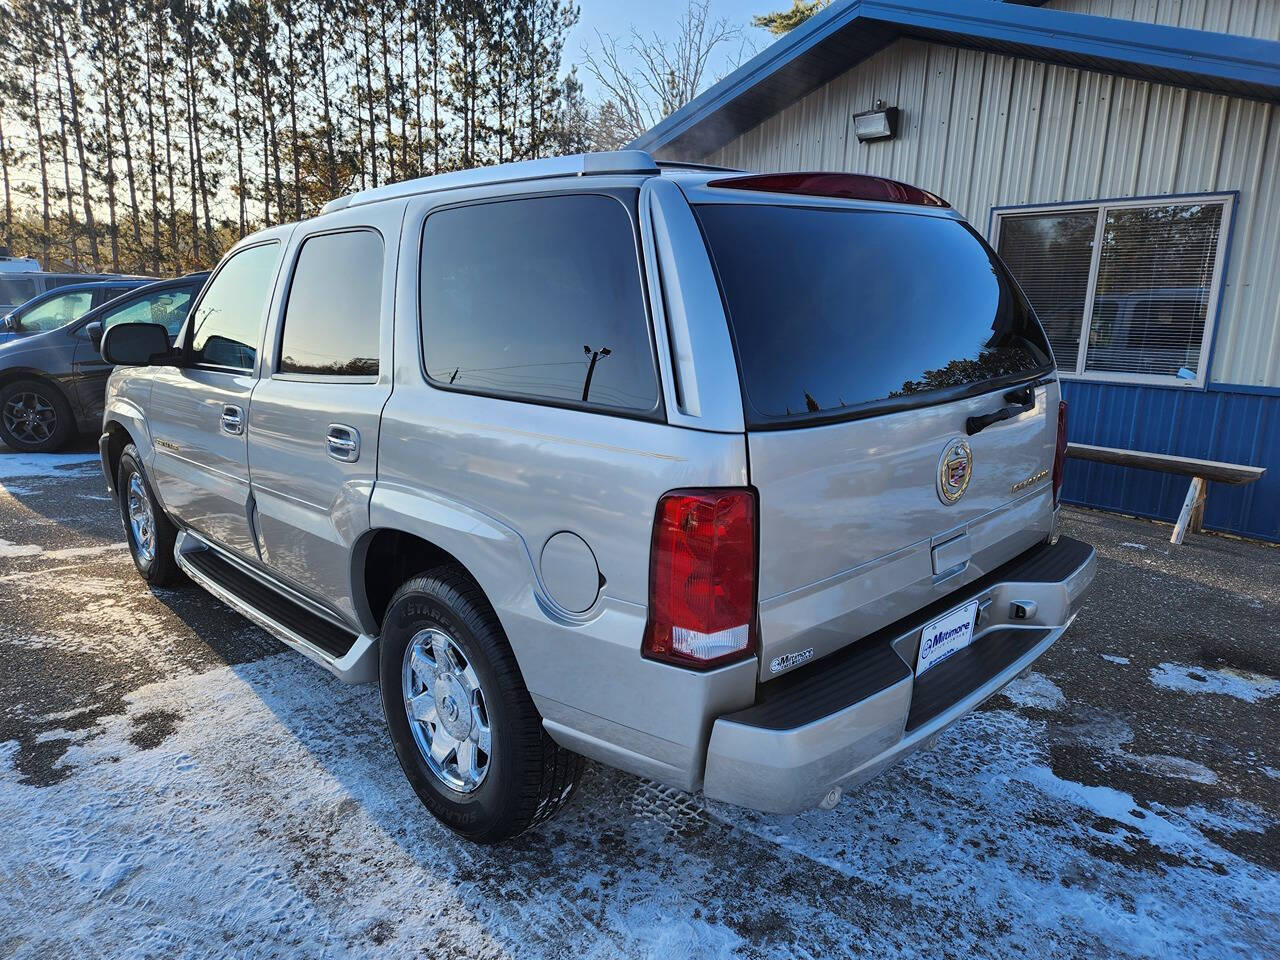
(880, 123)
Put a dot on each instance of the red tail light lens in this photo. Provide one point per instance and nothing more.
(1060, 454)
(702, 578)
(843, 186)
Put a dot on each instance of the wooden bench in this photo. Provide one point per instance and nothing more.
(1200, 472)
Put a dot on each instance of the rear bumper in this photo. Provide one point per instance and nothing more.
(844, 719)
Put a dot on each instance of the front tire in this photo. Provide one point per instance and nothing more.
(463, 725)
(35, 417)
(149, 532)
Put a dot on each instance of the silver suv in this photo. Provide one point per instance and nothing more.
(738, 482)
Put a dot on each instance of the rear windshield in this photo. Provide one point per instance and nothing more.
(842, 313)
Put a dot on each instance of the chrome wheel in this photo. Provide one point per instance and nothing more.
(447, 711)
(30, 417)
(141, 520)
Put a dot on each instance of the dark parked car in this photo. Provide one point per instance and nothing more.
(61, 305)
(52, 383)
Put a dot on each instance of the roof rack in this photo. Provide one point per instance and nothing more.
(577, 165)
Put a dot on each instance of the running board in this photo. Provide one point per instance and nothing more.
(351, 657)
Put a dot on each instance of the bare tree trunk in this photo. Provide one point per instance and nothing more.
(135, 213)
(386, 96)
(239, 126)
(293, 112)
(64, 147)
(417, 78)
(44, 174)
(264, 93)
(435, 86)
(78, 130)
(152, 159)
(168, 162)
(191, 168)
(368, 88)
(113, 225)
(8, 198)
(330, 155)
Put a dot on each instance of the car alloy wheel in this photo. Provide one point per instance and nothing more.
(30, 417)
(447, 710)
(142, 523)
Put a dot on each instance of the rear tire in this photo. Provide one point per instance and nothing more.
(451, 688)
(148, 531)
(35, 417)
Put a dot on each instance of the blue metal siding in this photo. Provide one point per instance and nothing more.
(1217, 424)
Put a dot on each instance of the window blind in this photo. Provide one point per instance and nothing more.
(1051, 255)
(1154, 279)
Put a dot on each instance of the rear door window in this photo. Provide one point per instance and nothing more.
(226, 327)
(332, 319)
(843, 312)
(165, 307)
(15, 290)
(538, 298)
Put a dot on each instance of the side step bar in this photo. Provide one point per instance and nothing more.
(351, 657)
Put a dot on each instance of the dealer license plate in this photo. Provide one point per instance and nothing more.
(946, 635)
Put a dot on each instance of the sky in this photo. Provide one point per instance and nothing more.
(616, 17)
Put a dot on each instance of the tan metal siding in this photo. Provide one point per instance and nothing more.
(1245, 18)
(984, 131)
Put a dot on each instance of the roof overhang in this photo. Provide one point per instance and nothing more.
(850, 31)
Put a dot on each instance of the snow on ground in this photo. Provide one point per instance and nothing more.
(261, 804)
(19, 466)
(1224, 681)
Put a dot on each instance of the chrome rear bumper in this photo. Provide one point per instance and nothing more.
(844, 719)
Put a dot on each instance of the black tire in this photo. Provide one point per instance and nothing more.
(529, 777)
(159, 569)
(35, 417)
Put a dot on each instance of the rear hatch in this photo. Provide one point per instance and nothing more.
(867, 336)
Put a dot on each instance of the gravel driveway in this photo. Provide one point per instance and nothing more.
(173, 782)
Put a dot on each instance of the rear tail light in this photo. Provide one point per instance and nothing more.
(1060, 454)
(842, 186)
(702, 578)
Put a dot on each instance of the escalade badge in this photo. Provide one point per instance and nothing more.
(955, 467)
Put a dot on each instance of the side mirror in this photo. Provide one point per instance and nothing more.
(136, 344)
(94, 331)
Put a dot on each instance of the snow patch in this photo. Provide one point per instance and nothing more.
(1221, 681)
(1134, 546)
(15, 466)
(1112, 658)
(1036, 690)
(10, 550)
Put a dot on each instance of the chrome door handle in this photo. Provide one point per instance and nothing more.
(232, 419)
(343, 442)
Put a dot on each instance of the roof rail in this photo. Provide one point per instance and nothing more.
(577, 165)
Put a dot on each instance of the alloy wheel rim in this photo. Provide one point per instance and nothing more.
(447, 710)
(141, 520)
(30, 417)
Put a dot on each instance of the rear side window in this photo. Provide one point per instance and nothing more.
(16, 290)
(332, 319)
(166, 307)
(538, 298)
(841, 313)
(226, 327)
(59, 310)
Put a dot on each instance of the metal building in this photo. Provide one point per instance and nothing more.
(1122, 155)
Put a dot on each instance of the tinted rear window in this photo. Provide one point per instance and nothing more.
(538, 298)
(841, 312)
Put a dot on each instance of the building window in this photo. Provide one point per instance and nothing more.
(1126, 290)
